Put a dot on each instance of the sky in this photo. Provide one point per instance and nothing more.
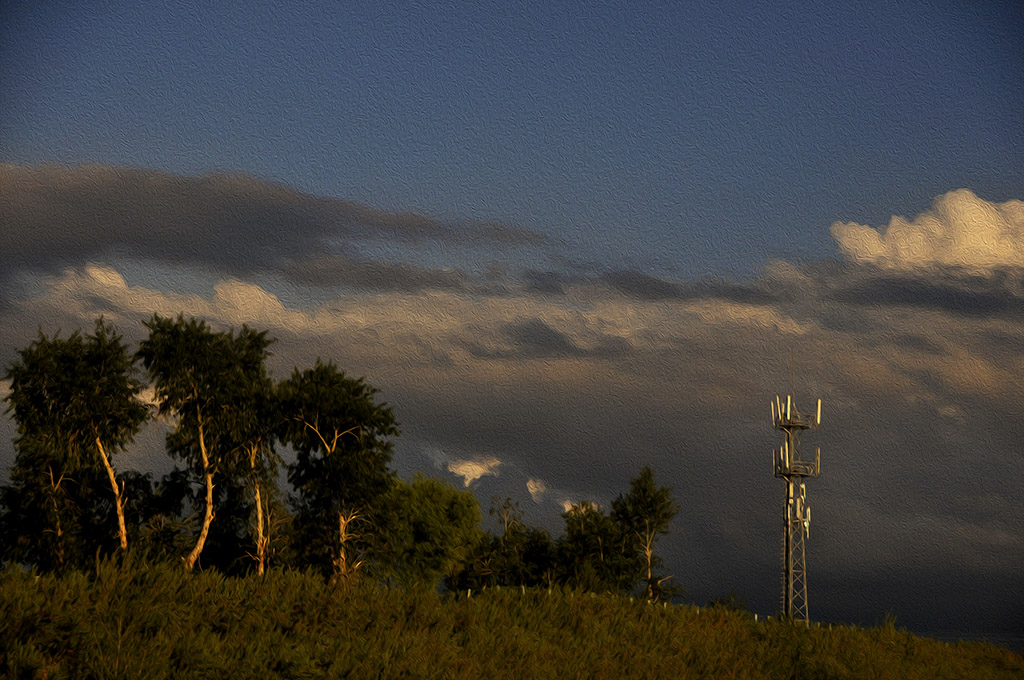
(569, 241)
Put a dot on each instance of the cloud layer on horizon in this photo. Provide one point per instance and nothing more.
(567, 380)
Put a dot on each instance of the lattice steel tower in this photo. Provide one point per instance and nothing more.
(796, 517)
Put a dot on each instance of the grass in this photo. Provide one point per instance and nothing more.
(156, 621)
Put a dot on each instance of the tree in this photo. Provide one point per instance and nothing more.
(249, 466)
(643, 514)
(204, 380)
(257, 432)
(519, 555)
(591, 550)
(426, 528)
(614, 552)
(340, 436)
(76, 402)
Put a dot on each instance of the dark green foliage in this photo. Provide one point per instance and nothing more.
(137, 620)
(593, 552)
(66, 393)
(598, 552)
(614, 553)
(230, 543)
(76, 404)
(165, 532)
(215, 386)
(250, 463)
(730, 601)
(341, 440)
(520, 556)
(642, 515)
(207, 380)
(55, 525)
(524, 556)
(422, 531)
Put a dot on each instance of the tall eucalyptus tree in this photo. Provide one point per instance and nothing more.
(341, 440)
(76, 403)
(643, 515)
(204, 381)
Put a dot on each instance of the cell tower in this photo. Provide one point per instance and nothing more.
(788, 465)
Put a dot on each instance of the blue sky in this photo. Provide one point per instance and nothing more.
(694, 137)
(567, 241)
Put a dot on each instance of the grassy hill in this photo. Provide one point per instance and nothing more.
(159, 622)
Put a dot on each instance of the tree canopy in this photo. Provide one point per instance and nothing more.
(205, 381)
(343, 512)
(341, 438)
(76, 403)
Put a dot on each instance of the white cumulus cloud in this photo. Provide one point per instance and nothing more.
(536, 487)
(960, 230)
(569, 505)
(472, 470)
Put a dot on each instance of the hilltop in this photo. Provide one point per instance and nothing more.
(157, 621)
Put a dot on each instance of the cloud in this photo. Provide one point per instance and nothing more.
(644, 286)
(651, 288)
(341, 271)
(233, 222)
(230, 221)
(999, 293)
(547, 283)
(960, 230)
(533, 338)
(474, 469)
(537, 339)
(726, 313)
(578, 506)
(536, 489)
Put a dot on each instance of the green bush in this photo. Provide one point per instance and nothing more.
(153, 620)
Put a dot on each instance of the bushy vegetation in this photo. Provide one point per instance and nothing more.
(344, 513)
(141, 620)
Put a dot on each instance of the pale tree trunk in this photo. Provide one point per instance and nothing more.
(190, 561)
(121, 531)
(344, 567)
(262, 540)
(648, 550)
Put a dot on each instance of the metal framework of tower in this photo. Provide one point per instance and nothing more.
(788, 465)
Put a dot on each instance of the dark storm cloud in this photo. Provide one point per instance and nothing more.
(56, 216)
(545, 282)
(896, 588)
(536, 339)
(643, 286)
(532, 338)
(651, 288)
(998, 294)
(340, 271)
(917, 343)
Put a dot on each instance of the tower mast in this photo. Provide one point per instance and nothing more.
(788, 465)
